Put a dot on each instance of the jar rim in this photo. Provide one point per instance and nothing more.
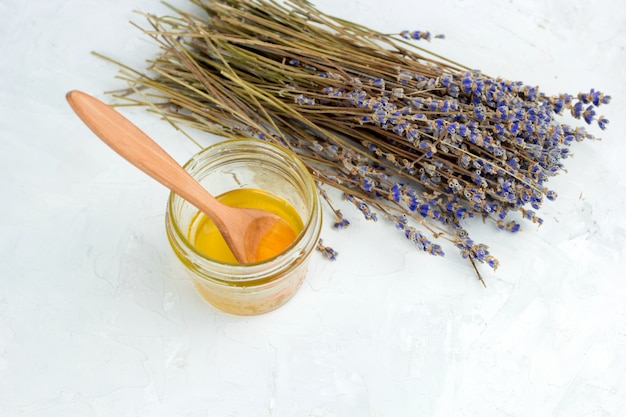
(248, 272)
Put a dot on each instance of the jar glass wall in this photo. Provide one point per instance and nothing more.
(246, 163)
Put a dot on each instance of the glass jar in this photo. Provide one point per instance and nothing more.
(247, 163)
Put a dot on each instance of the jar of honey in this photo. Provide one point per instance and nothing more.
(255, 174)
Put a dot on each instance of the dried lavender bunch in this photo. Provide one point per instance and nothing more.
(404, 133)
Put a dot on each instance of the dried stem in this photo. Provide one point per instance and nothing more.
(398, 129)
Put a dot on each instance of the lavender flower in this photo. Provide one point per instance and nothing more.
(327, 251)
(416, 141)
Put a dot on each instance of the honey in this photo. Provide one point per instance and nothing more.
(207, 239)
(253, 174)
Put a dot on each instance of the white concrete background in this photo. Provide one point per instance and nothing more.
(96, 318)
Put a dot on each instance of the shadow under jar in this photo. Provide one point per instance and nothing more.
(247, 164)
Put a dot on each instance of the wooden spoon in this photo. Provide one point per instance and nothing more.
(243, 229)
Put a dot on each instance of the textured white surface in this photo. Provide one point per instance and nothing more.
(97, 320)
